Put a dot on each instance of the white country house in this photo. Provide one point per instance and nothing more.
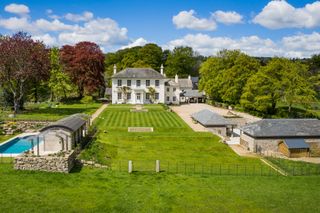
(132, 86)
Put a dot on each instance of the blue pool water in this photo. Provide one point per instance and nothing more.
(17, 145)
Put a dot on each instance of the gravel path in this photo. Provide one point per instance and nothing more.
(98, 112)
(184, 111)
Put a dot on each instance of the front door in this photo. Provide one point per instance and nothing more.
(138, 98)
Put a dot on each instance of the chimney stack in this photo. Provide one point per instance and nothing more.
(161, 69)
(114, 69)
(176, 78)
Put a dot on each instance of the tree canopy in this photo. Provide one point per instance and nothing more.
(22, 61)
(84, 63)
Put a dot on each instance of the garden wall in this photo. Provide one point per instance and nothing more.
(53, 163)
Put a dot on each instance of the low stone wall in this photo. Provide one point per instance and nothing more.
(52, 163)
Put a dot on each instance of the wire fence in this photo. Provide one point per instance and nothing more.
(189, 168)
(274, 166)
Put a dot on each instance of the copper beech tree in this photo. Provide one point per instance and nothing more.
(84, 63)
(22, 61)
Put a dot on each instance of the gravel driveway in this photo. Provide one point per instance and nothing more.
(184, 111)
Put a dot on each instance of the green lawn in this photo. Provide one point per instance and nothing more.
(3, 138)
(97, 190)
(103, 190)
(296, 167)
(46, 111)
(173, 142)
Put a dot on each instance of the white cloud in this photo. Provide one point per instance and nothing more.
(55, 25)
(47, 39)
(137, 42)
(15, 23)
(19, 9)
(187, 19)
(103, 31)
(85, 16)
(280, 14)
(228, 17)
(303, 45)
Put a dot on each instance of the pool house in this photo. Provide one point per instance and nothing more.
(64, 134)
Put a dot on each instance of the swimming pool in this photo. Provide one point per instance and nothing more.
(18, 145)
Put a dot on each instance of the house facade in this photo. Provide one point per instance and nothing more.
(146, 85)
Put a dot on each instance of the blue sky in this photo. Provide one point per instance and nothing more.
(257, 27)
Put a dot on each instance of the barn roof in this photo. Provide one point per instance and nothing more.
(208, 118)
(138, 73)
(283, 128)
(71, 123)
(296, 143)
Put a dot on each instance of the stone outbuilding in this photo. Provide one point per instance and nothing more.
(214, 122)
(282, 135)
(293, 148)
(64, 134)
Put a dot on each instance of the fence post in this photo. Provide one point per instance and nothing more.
(130, 166)
(157, 166)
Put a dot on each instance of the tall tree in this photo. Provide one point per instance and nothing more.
(151, 55)
(224, 76)
(314, 67)
(181, 61)
(84, 63)
(281, 80)
(59, 82)
(22, 61)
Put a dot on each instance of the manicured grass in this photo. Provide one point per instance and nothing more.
(296, 167)
(3, 138)
(104, 190)
(97, 190)
(45, 111)
(173, 142)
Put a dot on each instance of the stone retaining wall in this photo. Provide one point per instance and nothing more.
(56, 163)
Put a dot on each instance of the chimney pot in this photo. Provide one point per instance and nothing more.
(114, 69)
(161, 69)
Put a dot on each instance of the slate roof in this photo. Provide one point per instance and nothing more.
(296, 143)
(185, 83)
(182, 83)
(282, 128)
(192, 93)
(171, 82)
(142, 73)
(208, 118)
(71, 123)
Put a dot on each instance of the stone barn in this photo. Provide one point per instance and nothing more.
(282, 135)
(64, 134)
(214, 122)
